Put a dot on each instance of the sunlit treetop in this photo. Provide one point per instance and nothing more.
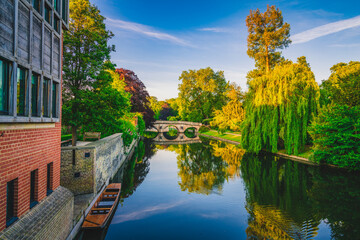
(267, 34)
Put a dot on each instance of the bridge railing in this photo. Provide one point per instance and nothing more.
(178, 122)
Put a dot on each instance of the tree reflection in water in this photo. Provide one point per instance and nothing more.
(204, 167)
(284, 199)
(288, 200)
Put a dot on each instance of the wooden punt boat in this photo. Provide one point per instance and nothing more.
(103, 208)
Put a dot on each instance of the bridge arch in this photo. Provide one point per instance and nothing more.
(162, 126)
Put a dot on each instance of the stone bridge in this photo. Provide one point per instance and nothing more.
(181, 126)
(181, 138)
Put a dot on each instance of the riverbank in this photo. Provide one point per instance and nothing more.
(235, 138)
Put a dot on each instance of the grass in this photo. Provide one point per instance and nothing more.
(305, 154)
(66, 137)
(224, 136)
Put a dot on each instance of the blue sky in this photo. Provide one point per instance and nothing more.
(158, 39)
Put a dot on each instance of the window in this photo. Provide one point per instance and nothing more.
(46, 95)
(55, 88)
(48, 14)
(35, 84)
(5, 76)
(10, 202)
(56, 5)
(21, 91)
(57, 24)
(64, 10)
(33, 188)
(37, 5)
(49, 179)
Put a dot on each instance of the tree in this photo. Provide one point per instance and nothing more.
(279, 107)
(343, 85)
(336, 134)
(166, 112)
(139, 95)
(267, 33)
(201, 92)
(233, 113)
(156, 106)
(85, 49)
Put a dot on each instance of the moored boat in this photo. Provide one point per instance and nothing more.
(103, 208)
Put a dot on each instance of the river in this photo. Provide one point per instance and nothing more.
(215, 190)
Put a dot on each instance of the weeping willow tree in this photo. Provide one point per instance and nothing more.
(279, 107)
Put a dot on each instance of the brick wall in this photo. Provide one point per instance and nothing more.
(22, 151)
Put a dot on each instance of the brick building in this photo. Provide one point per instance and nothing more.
(30, 102)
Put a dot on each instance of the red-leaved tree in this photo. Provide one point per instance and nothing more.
(139, 95)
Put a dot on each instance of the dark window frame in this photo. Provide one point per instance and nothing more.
(46, 97)
(5, 78)
(49, 178)
(11, 202)
(34, 176)
(22, 91)
(35, 91)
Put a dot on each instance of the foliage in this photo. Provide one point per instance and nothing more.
(139, 95)
(279, 107)
(156, 106)
(85, 49)
(204, 129)
(141, 125)
(267, 33)
(201, 92)
(343, 85)
(232, 114)
(336, 134)
(166, 112)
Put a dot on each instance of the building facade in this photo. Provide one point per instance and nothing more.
(30, 103)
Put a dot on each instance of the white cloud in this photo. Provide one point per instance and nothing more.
(216, 30)
(326, 29)
(146, 30)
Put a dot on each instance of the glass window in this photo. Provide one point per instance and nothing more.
(33, 188)
(37, 5)
(35, 84)
(46, 95)
(48, 14)
(64, 10)
(10, 202)
(49, 178)
(21, 91)
(56, 5)
(55, 87)
(56, 24)
(5, 77)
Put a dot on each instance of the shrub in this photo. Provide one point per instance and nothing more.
(336, 135)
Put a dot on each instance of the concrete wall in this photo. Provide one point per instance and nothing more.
(93, 164)
(50, 219)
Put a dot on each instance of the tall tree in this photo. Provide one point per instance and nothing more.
(201, 92)
(139, 95)
(267, 33)
(279, 108)
(85, 49)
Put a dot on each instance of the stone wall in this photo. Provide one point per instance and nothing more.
(85, 169)
(50, 219)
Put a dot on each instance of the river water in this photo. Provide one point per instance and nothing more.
(214, 190)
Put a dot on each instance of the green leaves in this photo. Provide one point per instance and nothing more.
(201, 92)
(336, 136)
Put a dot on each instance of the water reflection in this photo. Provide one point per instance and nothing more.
(284, 199)
(233, 195)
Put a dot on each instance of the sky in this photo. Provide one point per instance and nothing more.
(159, 39)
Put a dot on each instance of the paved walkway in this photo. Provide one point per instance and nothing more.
(228, 133)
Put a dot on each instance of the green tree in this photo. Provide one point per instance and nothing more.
(201, 92)
(279, 107)
(343, 85)
(156, 106)
(232, 114)
(267, 33)
(336, 134)
(85, 49)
